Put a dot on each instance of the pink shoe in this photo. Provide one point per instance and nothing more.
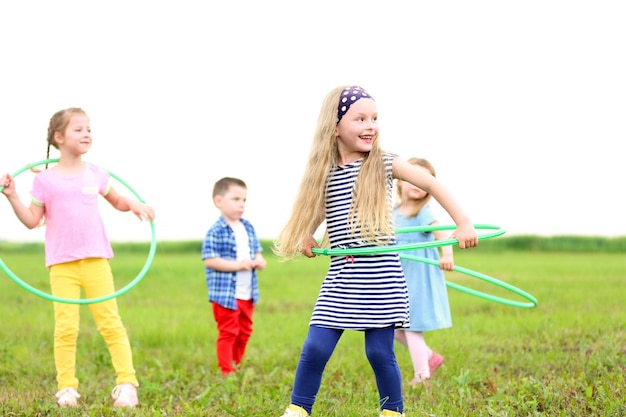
(435, 362)
(125, 395)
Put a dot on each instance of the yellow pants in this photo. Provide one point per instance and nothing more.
(94, 276)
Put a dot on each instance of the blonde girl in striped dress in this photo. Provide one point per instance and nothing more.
(348, 183)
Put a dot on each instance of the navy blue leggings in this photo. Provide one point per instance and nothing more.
(319, 346)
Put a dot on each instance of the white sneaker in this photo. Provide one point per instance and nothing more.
(295, 411)
(125, 395)
(67, 397)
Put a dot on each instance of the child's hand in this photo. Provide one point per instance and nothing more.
(142, 211)
(466, 235)
(308, 244)
(259, 263)
(8, 183)
(246, 265)
(446, 262)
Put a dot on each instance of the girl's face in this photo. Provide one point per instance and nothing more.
(409, 191)
(233, 203)
(77, 135)
(357, 129)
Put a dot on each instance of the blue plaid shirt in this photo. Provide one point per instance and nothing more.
(220, 243)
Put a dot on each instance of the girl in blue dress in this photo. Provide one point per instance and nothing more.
(428, 295)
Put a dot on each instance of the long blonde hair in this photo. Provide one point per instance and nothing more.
(370, 213)
(420, 204)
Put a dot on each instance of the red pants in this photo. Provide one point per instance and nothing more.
(234, 328)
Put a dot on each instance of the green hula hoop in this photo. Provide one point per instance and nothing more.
(437, 243)
(532, 300)
(371, 250)
(115, 294)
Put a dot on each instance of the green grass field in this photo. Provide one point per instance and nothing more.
(566, 357)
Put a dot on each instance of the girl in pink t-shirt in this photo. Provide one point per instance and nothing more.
(78, 250)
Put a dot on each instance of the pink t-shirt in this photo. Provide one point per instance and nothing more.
(74, 227)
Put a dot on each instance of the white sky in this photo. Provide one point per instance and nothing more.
(521, 106)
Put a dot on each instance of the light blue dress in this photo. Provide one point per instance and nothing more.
(429, 308)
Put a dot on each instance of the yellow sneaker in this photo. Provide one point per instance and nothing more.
(389, 413)
(295, 411)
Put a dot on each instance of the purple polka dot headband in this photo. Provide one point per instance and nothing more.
(349, 96)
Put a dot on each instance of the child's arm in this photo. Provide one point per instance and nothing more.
(310, 242)
(30, 216)
(226, 265)
(122, 203)
(446, 260)
(465, 232)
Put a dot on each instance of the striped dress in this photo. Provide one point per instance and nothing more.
(364, 291)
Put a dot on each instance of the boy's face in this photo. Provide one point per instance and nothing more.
(233, 203)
